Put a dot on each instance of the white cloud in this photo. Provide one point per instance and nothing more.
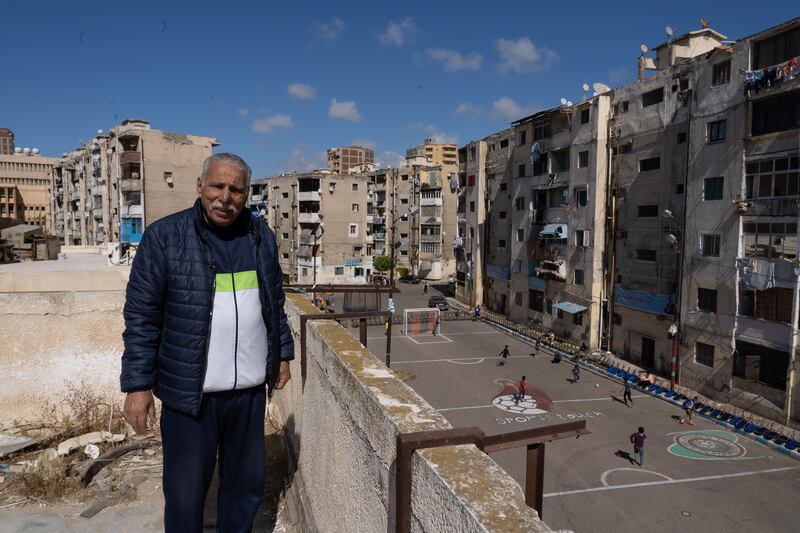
(466, 108)
(301, 91)
(523, 56)
(344, 111)
(366, 143)
(435, 133)
(454, 61)
(267, 124)
(399, 33)
(243, 112)
(507, 108)
(389, 158)
(301, 160)
(329, 31)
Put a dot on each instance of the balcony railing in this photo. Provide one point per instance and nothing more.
(308, 218)
(308, 196)
(130, 157)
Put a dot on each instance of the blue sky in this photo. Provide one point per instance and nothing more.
(280, 84)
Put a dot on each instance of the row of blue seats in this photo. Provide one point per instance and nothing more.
(738, 422)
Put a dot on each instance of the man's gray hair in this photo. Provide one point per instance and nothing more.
(227, 157)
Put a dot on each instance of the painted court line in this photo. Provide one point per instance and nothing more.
(554, 401)
(455, 359)
(670, 481)
(446, 340)
(451, 334)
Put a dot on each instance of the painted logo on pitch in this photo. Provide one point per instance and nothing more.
(535, 401)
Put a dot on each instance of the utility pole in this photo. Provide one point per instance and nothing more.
(391, 271)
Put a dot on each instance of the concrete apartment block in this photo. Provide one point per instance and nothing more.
(113, 186)
(6, 141)
(677, 197)
(344, 159)
(26, 179)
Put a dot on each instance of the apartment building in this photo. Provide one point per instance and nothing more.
(25, 183)
(6, 141)
(319, 220)
(113, 186)
(342, 160)
(432, 152)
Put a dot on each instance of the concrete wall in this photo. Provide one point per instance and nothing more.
(343, 427)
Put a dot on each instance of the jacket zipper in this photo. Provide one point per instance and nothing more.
(235, 333)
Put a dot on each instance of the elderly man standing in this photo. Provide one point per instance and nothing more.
(205, 331)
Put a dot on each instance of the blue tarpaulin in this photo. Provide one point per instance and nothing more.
(535, 283)
(497, 272)
(571, 308)
(645, 301)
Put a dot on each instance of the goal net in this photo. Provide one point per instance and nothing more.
(420, 320)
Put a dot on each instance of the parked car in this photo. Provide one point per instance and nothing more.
(410, 278)
(439, 302)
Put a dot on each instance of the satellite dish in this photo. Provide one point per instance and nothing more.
(704, 22)
(569, 103)
(585, 87)
(563, 101)
(669, 30)
(600, 88)
(644, 48)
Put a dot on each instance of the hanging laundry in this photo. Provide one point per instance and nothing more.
(535, 152)
(758, 275)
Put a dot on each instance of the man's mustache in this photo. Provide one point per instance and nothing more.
(216, 204)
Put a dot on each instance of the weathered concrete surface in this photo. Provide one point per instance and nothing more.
(78, 272)
(343, 426)
(52, 340)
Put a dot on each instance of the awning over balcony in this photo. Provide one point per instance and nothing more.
(554, 231)
(570, 307)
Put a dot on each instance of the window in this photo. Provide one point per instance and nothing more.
(707, 300)
(358, 272)
(721, 73)
(536, 300)
(502, 215)
(709, 245)
(704, 353)
(679, 188)
(503, 186)
(582, 237)
(472, 206)
(778, 113)
(645, 254)
(517, 298)
(501, 243)
(776, 49)
(617, 319)
(775, 240)
(583, 159)
(285, 194)
(712, 188)
(519, 203)
(521, 171)
(285, 215)
(403, 201)
(584, 115)
(354, 208)
(625, 106)
(653, 97)
(355, 187)
(681, 137)
(577, 319)
(715, 131)
(559, 313)
(772, 178)
(581, 197)
(523, 137)
(503, 144)
(541, 131)
(472, 153)
(773, 304)
(404, 177)
(285, 235)
(648, 210)
(286, 256)
(338, 271)
(470, 181)
(353, 231)
(653, 163)
(578, 277)
(549, 306)
(520, 235)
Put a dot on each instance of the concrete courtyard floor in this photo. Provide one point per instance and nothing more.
(694, 478)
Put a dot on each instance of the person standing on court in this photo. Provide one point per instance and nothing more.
(638, 444)
(520, 391)
(206, 332)
(688, 408)
(425, 288)
(504, 355)
(576, 373)
(437, 324)
(626, 391)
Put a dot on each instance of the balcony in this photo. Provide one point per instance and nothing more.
(130, 157)
(776, 335)
(128, 210)
(256, 198)
(370, 238)
(308, 196)
(130, 185)
(308, 218)
(76, 215)
(379, 236)
(97, 213)
(430, 201)
(458, 242)
(772, 207)
(75, 196)
(309, 262)
(430, 238)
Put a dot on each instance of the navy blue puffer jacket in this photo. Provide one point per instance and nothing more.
(168, 307)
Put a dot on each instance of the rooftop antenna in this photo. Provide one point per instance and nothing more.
(704, 22)
(563, 102)
(569, 103)
(670, 33)
(644, 48)
(585, 88)
(600, 88)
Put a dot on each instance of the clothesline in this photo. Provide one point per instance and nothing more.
(766, 78)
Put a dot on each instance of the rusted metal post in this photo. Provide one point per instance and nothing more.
(362, 331)
(534, 477)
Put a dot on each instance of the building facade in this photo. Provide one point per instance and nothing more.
(6, 141)
(341, 160)
(113, 186)
(26, 177)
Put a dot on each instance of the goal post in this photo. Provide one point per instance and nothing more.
(420, 320)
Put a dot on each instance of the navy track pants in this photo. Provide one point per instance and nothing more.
(229, 428)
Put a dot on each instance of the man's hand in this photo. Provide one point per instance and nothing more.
(139, 406)
(284, 375)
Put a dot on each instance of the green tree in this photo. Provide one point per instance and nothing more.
(382, 263)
